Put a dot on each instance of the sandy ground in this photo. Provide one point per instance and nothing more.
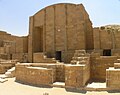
(13, 88)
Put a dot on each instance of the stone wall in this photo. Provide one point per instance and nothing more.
(6, 64)
(41, 58)
(67, 56)
(76, 75)
(105, 38)
(51, 73)
(34, 75)
(113, 78)
(99, 64)
(58, 70)
(49, 66)
(21, 57)
(60, 73)
(12, 45)
(102, 39)
(60, 27)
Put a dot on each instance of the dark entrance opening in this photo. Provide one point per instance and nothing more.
(10, 56)
(58, 55)
(107, 52)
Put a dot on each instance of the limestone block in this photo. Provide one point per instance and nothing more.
(51, 66)
(60, 72)
(99, 66)
(116, 65)
(113, 78)
(34, 75)
(60, 29)
(2, 69)
(21, 57)
(75, 75)
(2, 51)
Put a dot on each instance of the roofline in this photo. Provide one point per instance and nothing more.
(57, 4)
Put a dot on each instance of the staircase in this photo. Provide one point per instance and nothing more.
(42, 58)
(10, 73)
(80, 57)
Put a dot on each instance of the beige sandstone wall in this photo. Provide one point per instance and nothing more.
(60, 27)
(113, 78)
(102, 39)
(12, 45)
(24, 73)
(99, 66)
(76, 75)
(107, 39)
(34, 75)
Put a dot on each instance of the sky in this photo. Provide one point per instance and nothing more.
(14, 14)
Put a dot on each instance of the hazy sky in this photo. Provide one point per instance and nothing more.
(14, 14)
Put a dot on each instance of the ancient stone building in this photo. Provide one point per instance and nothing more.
(62, 46)
(107, 40)
(13, 47)
(58, 30)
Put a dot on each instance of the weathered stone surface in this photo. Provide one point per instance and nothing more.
(62, 32)
(113, 78)
(11, 45)
(61, 28)
(34, 75)
(99, 66)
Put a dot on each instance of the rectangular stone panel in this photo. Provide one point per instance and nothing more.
(60, 27)
(50, 29)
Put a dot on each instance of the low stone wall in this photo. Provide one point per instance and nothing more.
(117, 65)
(99, 64)
(2, 69)
(41, 58)
(67, 56)
(34, 75)
(6, 64)
(76, 75)
(48, 66)
(43, 73)
(116, 52)
(21, 57)
(60, 72)
(113, 78)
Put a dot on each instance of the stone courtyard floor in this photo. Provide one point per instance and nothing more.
(11, 87)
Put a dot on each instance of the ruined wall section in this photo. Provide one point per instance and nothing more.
(99, 64)
(11, 46)
(106, 39)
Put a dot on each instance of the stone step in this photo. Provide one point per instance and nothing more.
(3, 80)
(80, 51)
(10, 73)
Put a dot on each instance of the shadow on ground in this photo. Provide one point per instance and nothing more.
(114, 91)
(75, 90)
(34, 85)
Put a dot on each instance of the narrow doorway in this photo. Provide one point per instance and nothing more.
(107, 52)
(58, 55)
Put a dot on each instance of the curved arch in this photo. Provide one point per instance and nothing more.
(55, 5)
